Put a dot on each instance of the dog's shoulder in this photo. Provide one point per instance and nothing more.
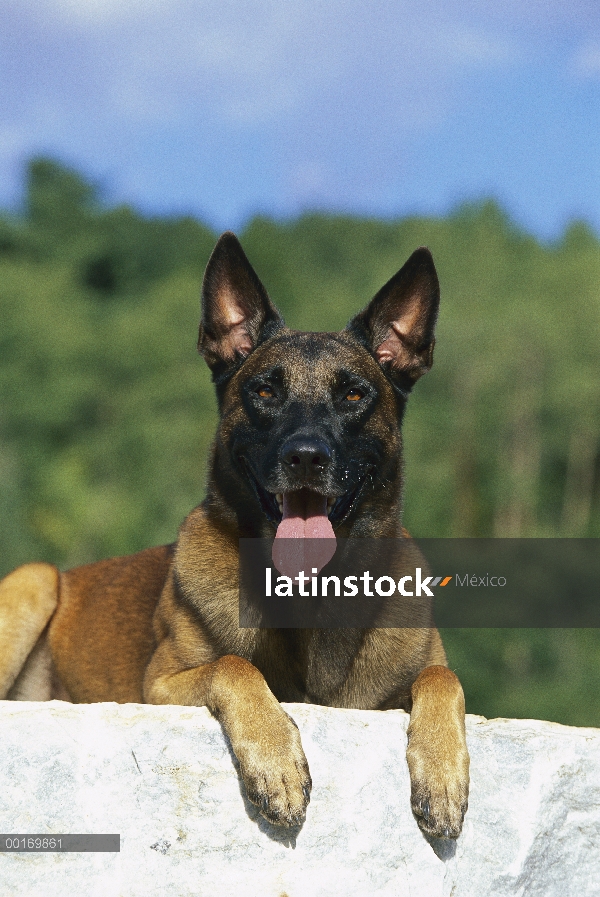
(205, 574)
(206, 550)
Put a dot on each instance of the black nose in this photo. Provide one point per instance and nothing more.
(305, 455)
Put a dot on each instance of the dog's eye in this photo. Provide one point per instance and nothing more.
(265, 392)
(354, 395)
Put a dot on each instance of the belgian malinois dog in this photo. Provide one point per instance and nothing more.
(308, 445)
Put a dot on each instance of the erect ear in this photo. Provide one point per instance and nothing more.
(237, 313)
(398, 324)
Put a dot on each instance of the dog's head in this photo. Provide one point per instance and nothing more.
(309, 439)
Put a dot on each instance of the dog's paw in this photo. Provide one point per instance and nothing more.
(275, 772)
(439, 780)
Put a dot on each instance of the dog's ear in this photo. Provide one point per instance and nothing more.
(237, 313)
(398, 324)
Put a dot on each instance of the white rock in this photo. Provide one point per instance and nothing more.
(163, 777)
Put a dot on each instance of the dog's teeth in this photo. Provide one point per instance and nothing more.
(330, 503)
(279, 500)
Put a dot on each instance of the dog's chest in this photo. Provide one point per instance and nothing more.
(308, 665)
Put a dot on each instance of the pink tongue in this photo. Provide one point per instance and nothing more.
(305, 537)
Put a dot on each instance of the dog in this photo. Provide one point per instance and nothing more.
(308, 444)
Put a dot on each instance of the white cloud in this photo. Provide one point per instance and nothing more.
(93, 12)
(470, 46)
(259, 59)
(586, 61)
(13, 139)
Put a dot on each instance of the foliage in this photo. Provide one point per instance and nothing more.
(106, 413)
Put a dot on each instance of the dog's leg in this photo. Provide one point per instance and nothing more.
(437, 754)
(264, 738)
(38, 679)
(28, 598)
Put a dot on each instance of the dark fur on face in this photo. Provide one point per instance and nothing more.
(312, 411)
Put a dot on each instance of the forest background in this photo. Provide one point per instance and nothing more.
(107, 413)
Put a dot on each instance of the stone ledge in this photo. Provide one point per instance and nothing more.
(163, 777)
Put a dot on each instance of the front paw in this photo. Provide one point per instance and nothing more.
(274, 770)
(439, 779)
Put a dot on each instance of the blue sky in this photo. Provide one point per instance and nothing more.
(230, 108)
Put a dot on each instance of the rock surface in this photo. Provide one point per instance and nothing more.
(164, 778)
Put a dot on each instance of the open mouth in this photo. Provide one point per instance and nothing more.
(304, 520)
(335, 508)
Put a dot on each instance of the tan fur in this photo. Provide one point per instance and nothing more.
(101, 635)
(38, 680)
(28, 598)
(437, 754)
